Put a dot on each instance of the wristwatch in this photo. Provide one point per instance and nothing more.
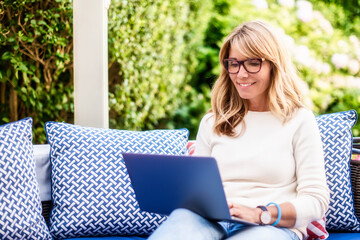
(265, 216)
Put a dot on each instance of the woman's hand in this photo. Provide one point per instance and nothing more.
(288, 214)
(245, 213)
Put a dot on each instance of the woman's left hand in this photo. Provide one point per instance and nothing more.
(288, 214)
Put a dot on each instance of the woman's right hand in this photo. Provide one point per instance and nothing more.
(245, 213)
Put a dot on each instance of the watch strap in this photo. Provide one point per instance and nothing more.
(262, 208)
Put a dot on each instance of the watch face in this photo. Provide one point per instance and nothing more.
(265, 217)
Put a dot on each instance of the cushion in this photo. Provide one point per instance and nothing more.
(190, 147)
(111, 238)
(317, 230)
(335, 131)
(91, 190)
(20, 206)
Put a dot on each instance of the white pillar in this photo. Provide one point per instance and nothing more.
(91, 105)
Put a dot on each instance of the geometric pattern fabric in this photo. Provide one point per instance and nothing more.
(335, 131)
(91, 190)
(20, 206)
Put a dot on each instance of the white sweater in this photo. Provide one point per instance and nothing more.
(271, 162)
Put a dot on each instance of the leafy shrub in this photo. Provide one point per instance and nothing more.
(152, 55)
(152, 50)
(36, 62)
(163, 57)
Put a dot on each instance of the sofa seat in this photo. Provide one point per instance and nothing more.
(333, 236)
(41, 153)
(110, 238)
(343, 236)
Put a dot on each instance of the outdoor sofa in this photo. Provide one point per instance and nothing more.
(85, 192)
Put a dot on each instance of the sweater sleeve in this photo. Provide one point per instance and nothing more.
(202, 144)
(313, 193)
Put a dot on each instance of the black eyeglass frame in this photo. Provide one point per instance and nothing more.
(261, 60)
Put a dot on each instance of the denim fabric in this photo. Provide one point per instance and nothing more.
(238, 231)
(184, 224)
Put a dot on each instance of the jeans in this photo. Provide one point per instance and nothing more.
(184, 224)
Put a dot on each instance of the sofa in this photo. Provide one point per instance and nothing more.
(80, 189)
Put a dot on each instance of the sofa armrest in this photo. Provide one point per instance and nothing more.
(356, 145)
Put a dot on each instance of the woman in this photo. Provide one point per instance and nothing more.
(265, 141)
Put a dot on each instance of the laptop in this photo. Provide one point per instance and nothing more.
(163, 183)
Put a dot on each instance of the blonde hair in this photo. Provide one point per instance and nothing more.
(255, 39)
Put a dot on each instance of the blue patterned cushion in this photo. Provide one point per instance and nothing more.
(335, 130)
(91, 190)
(20, 206)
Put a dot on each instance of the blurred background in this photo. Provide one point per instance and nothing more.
(163, 57)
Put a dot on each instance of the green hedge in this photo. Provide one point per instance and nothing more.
(152, 52)
(163, 58)
(36, 62)
(153, 49)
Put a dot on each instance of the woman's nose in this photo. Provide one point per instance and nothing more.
(242, 72)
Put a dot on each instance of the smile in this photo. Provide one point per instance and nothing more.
(246, 84)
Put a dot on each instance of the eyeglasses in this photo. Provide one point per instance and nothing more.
(250, 65)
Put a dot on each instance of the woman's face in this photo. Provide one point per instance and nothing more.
(251, 86)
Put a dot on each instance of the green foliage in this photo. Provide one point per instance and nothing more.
(152, 56)
(351, 7)
(189, 114)
(163, 58)
(36, 62)
(153, 49)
